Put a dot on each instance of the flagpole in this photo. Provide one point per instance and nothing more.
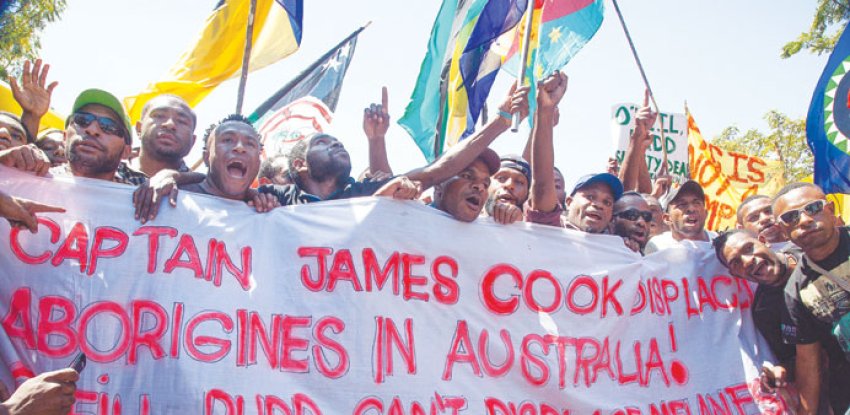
(246, 57)
(276, 97)
(526, 36)
(663, 168)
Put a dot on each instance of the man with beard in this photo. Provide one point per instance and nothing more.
(747, 257)
(508, 189)
(817, 294)
(589, 204)
(755, 214)
(684, 212)
(463, 195)
(97, 134)
(657, 226)
(167, 133)
(321, 166)
(631, 219)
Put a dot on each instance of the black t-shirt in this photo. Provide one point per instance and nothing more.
(768, 312)
(292, 194)
(819, 311)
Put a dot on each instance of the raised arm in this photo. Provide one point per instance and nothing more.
(465, 152)
(634, 172)
(543, 196)
(376, 122)
(33, 95)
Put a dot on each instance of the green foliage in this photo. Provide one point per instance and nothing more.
(20, 28)
(829, 14)
(786, 142)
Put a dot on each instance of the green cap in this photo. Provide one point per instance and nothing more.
(101, 97)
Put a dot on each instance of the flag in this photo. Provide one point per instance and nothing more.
(306, 104)
(422, 113)
(828, 123)
(559, 33)
(727, 177)
(475, 66)
(217, 53)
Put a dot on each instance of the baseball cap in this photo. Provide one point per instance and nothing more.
(491, 159)
(101, 97)
(516, 162)
(689, 186)
(612, 181)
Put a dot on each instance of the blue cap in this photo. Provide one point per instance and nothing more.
(612, 181)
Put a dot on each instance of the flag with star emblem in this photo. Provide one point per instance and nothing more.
(306, 104)
(560, 28)
(828, 123)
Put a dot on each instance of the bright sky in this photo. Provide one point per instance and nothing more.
(720, 56)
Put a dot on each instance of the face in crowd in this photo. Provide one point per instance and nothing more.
(590, 207)
(806, 217)
(631, 218)
(686, 215)
(326, 159)
(12, 132)
(510, 186)
(52, 143)
(233, 157)
(560, 188)
(96, 140)
(756, 215)
(166, 129)
(750, 259)
(657, 226)
(464, 195)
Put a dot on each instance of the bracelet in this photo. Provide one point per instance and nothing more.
(506, 115)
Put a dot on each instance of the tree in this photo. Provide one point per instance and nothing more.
(786, 142)
(21, 23)
(828, 15)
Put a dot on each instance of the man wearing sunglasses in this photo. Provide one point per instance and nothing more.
(817, 294)
(631, 219)
(97, 135)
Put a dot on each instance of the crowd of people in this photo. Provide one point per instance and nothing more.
(790, 244)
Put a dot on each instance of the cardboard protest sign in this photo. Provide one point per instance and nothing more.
(674, 136)
(728, 178)
(366, 306)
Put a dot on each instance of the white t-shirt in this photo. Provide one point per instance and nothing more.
(665, 240)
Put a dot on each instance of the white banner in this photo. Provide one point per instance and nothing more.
(675, 138)
(368, 306)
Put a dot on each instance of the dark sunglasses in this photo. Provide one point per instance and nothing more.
(792, 217)
(108, 125)
(634, 214)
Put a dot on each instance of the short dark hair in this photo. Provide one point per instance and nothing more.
(746, 201)
(298, 151)
(269, 169)
(230, 118)
(791, 187)
(147, 107)
(719, 242)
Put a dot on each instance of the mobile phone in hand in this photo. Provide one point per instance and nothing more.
(79, 363)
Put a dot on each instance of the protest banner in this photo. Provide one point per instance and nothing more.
(728, 178)
(675, 138)
(365, 306)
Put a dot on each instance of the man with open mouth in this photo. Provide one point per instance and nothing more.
(685, 214)
(463, 196)
(755, 214)
(817, 295)
(232, 155)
